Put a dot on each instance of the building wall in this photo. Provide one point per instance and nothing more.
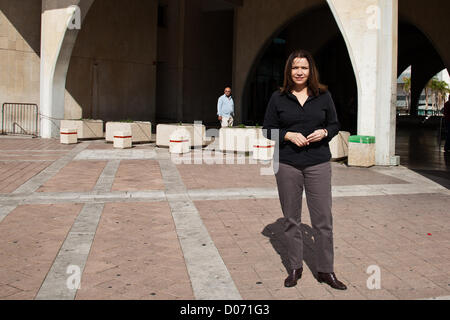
(20, 26)
(112, 72)
(208, 58)
(194, 61)
(169, 84)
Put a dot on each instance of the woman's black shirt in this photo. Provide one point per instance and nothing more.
(285, 113)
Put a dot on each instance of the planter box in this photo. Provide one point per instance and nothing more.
(239, 139)
(86, 129)
(339, 145)
(164, 131)
(141, 131)
(361, 151)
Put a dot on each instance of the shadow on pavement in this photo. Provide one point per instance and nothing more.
(275, 232)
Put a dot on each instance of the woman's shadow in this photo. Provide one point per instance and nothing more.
(275, 232)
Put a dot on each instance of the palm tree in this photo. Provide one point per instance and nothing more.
(440, 90)
(407, 90)
(427, 94)
(443, 89)
(434, 89)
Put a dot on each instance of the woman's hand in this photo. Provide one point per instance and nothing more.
(317, 136)
(296, 138)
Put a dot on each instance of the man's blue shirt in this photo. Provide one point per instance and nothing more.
(225, 106)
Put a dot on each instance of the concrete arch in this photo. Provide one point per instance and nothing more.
(57, 42)
(188, 57)
(417, 50)
(300, 15)
(268, 42)
(369, 28)
(254, 25)
(430, 18)
(347, 40)
(112, 69)
(321, 31)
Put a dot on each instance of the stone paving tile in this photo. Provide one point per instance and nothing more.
(8, 291)
(30, 238)
(77, 176)
(31, 155)
(102, 145)
(380, 294)
(138, 175)
(344, 175)
(219, 176)
(283, 293)
(14, 174)
(246, 231)
(316, 292)
(256, 294)
(135, 255)
(409, 294)
(7, 144)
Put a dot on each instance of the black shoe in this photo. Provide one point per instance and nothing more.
(294, 276)
(331, 280)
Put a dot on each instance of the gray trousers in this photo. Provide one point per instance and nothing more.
(316, 180)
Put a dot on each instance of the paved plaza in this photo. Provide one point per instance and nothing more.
(133, 224)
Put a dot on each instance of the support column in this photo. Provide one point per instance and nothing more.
(386, 103)
(57, 42)
(180, 59)
(53, 30)
(370, 29)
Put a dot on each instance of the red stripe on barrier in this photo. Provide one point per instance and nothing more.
(126, 137)
(68, 132)
(178, 141)
(263, 147)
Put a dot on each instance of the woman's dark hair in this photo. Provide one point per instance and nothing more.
(313, 84)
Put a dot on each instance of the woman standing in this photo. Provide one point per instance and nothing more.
(304, 113)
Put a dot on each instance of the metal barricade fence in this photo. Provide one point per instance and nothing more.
(20, 118)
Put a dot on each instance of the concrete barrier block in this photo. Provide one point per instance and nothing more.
(263, 149)
(180, 141)
(123, 139)
(68, 136)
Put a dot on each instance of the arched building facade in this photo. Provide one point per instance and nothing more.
(169, 60)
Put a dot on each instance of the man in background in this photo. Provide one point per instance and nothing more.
(225, 108)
